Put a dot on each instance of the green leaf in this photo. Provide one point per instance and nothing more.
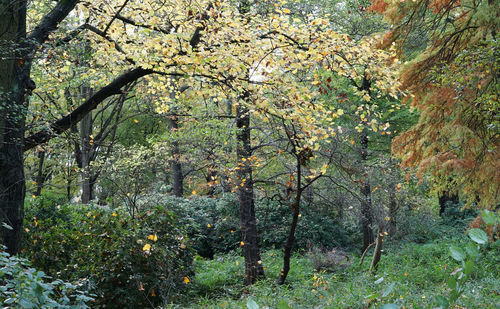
(372, 296)
(251, 304)
(389, 289)
(472, 249)
(469, 266)
(479, 236)
(457, 253)
(488, 217)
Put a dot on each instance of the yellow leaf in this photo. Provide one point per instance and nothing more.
(208, 225)
(153, 237)
(147, 247)
(186, 280)
(286, 11)
(194, 192)
(136, 121)
(242, 243)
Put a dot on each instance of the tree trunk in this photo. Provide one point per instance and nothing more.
(248, 223)
(175, 163)
(366, 203)
(14, 79)
(377, 254)
(40, 177)
(445, 199)
(287, 252)
(393, 209)
(85, 156)
(211, 177)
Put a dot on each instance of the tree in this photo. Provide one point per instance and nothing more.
(18, 50)
(454, 84)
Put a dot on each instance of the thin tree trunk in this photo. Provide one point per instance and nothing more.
(248, 223)
(14, 80)
(85, 142)
(175, 163)
(393, 209)
(295, 206)
(377, 254)
(40, 177)
(366, 203)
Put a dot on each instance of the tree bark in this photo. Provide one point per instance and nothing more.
(40, 177)
(85, 157)
(248, 223)
(377, 254)
(366, 203)
(175, 163)
(14, 83)
(14, 79)
(393, 209)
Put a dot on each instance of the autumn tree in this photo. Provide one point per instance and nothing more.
(454, 84)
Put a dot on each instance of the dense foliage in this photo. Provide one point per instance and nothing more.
(23, 286)
(152, 150)
(124, 260)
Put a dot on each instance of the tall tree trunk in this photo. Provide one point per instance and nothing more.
(175, 163)
(40, 177)
(295, 207)
(393, 209)
(248, 223)
(366, 203)
(287, 252)
(85, 156)
(14, 79)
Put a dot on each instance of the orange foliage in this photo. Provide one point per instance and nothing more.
(450, 83)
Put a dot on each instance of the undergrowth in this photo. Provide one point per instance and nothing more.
(410, 274)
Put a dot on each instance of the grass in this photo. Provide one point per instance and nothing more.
(419, 272)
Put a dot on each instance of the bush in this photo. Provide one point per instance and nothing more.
(129, 262)
(335, 260)
(25, 287)
(421, 227)
(213, 224)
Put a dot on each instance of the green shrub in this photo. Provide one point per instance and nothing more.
(25, 287)
(421, 227)
(129, 262)
(213, 224)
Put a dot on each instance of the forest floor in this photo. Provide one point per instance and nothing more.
(410, 275)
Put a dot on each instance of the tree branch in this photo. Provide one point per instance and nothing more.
(74, 117)
(50, 22)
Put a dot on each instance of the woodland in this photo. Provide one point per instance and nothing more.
(250, 154)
